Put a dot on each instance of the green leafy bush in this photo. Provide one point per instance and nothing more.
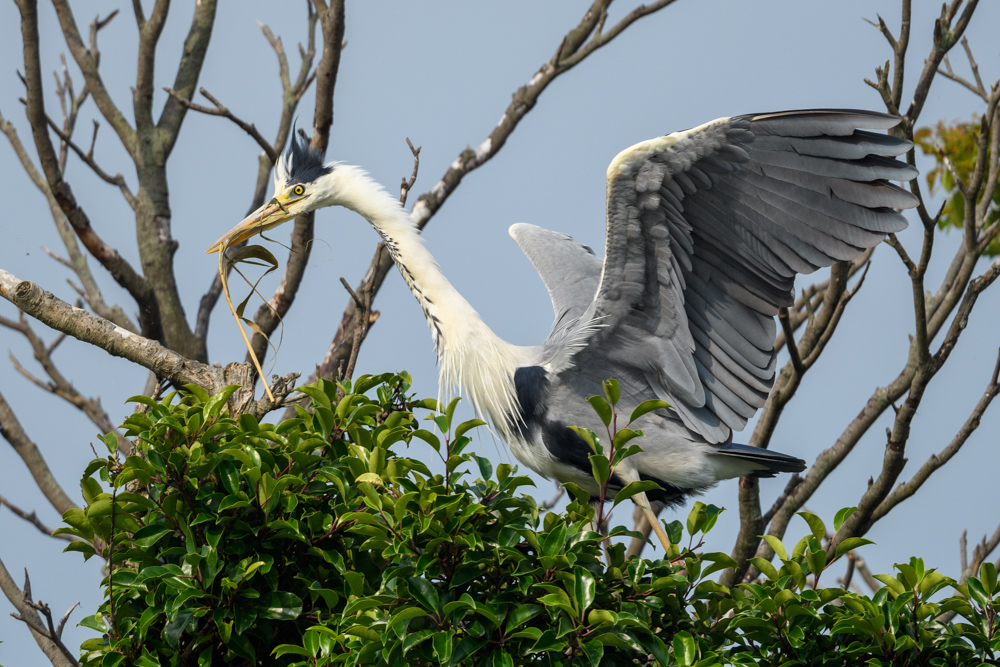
(316, 542)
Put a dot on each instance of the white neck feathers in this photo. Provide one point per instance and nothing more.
(473, 360)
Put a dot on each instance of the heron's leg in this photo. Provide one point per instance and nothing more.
(643, 504)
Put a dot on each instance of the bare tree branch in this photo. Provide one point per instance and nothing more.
(978, 88)
(32, 518)
(50, 643)
(936, 461)
(12, 431)
(59, 385)
(121, 270)
(220, 110)
(88, 159)
(77, 260)
(61, 316)
(87, 61)
(188, 71)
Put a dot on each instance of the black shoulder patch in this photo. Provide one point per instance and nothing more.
(532, 388)
(303, 163)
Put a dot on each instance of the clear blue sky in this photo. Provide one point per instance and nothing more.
(442, 77)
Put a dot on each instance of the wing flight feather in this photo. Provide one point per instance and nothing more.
(706, 230)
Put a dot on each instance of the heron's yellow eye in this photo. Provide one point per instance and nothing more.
(299, 190)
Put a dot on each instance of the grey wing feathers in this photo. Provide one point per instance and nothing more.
(706, 231)
(569, 269)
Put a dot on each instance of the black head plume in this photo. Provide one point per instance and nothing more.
(303, 164)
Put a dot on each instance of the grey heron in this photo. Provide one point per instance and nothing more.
(705, 232)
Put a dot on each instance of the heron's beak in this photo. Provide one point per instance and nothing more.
(266, 217)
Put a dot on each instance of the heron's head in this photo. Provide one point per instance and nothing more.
(302, 183)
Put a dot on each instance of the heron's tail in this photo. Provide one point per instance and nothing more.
(757, 462)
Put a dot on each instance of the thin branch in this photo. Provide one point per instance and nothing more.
(149, 354)
(875, 495)
(88, 159)
(978, 88)
(87, 60)
(915, 376)
(32, 518)
(946, 35)
(59, 384)
(77, 260)
(220, 110)
(979, 556)
(27, 613)
(936, 461)
(347, 286)
(13, 432)
(267, 317)
(406, 185)
(793, 349)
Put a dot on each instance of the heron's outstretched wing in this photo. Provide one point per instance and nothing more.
(706, 230)
(569, 269)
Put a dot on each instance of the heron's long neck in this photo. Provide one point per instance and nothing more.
(471, 357)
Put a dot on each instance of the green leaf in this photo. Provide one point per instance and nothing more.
(588, 437)
(685, 648)
(891, 582)
(442, 644)
(173, 629)
(424, 593)
(600, 468)
(624, 435)
(467, 426)
(485, 467)
(77, 518)
(280, 605)
(766, 568)
(520, 615)
(150, 535)
(988, 577)
(229, 477)
(398, 622)
(428, 437)
(776, 545)
(611, 391)
(584, 589)
(593, 652)
(850, 544)
(554, 541)
(578, 493)
(977, 592)
(633, 488)
(816, 525)
(602, 408)
(648, 406)
(91, 489)
(696, 517)
(842, 516)
(817, 560)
